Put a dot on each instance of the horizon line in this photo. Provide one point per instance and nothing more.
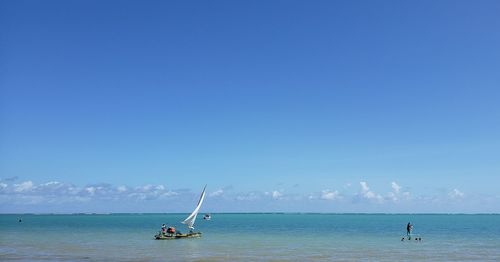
(248, 213)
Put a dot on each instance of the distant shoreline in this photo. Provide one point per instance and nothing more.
(247, 213)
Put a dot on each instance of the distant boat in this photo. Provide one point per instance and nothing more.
(189, 221)
(207, 216)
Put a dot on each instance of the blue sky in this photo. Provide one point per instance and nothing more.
(328, 106)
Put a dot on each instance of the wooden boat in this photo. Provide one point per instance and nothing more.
(189, 221)
(161, 236)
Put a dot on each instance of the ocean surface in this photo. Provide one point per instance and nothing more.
(251, 237)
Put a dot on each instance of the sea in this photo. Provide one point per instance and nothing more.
(251, 237)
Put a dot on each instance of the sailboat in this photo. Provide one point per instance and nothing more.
(189, 221)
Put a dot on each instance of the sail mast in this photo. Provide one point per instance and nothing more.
(189, 221)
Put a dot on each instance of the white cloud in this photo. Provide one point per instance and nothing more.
(145, 188)
(91, 190)
(276, 194)
(249, 196)
(395, 187)
(51, 184)
(169, 194)
(394, 195)
(329, 195)
(364, 186)
(138, 196)
(217, 193)
(368, 194)
(23, 187)
(56, 192)
(456, 194)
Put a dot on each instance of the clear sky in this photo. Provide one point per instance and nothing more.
(328, 106)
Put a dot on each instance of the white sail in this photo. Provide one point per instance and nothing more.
(189, 221)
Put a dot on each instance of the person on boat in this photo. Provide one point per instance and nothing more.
(409, 227)
(163, 229)
(171, 230)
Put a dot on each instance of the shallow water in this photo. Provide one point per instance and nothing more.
(250, 237)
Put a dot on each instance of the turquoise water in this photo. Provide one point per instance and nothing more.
(251, 237)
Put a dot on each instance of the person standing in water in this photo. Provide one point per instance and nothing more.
(409, 227)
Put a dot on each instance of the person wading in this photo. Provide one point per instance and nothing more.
(409, 227)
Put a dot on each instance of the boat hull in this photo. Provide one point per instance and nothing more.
(178, 236)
